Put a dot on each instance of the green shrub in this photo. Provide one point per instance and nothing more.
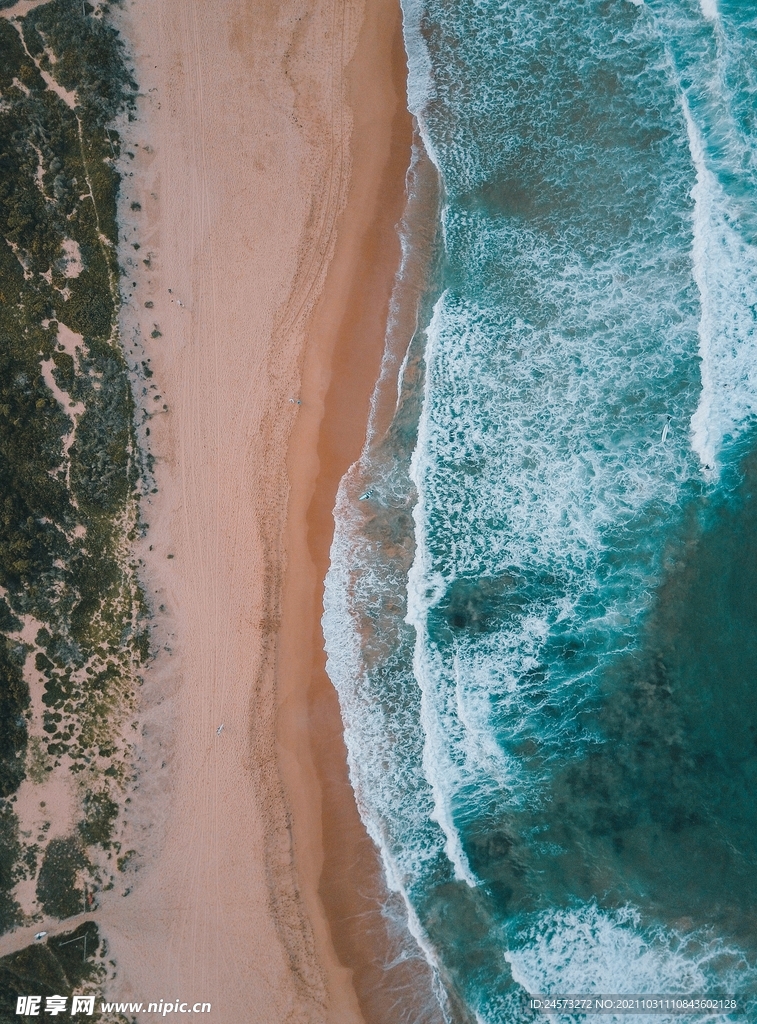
(55, 967)
(57, 891)
(14, 700)
(10, 870)
(101, 813)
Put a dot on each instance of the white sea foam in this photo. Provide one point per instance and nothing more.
(702, 427)
(416, 243)
(439, 768)
(388, 785)
(591, 951)
(709, 9)
(553, 502)
(724, 266)
(383, 775)
(544, 487)
(420, 79)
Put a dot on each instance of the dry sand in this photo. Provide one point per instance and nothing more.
(268, 165)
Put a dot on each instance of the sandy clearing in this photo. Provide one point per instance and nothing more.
(21, 8)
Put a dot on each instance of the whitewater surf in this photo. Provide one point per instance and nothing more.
(540, 612)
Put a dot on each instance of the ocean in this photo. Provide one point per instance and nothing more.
(541, 611)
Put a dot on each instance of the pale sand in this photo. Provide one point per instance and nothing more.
(257, 199)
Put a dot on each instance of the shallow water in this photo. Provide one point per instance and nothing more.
(540, 611)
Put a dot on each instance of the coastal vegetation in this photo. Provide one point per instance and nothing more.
(73, 631)
(64, 964)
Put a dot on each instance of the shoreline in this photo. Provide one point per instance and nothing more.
(353, 311)
(246, 325)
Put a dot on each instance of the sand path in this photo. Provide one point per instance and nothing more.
(241, 171)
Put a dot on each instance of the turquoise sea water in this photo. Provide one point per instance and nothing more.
(541, 614)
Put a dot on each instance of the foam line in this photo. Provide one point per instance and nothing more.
(702, 440)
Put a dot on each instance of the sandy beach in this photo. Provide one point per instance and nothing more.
(258, 215)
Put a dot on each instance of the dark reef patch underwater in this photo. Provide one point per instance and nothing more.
(541, 612)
